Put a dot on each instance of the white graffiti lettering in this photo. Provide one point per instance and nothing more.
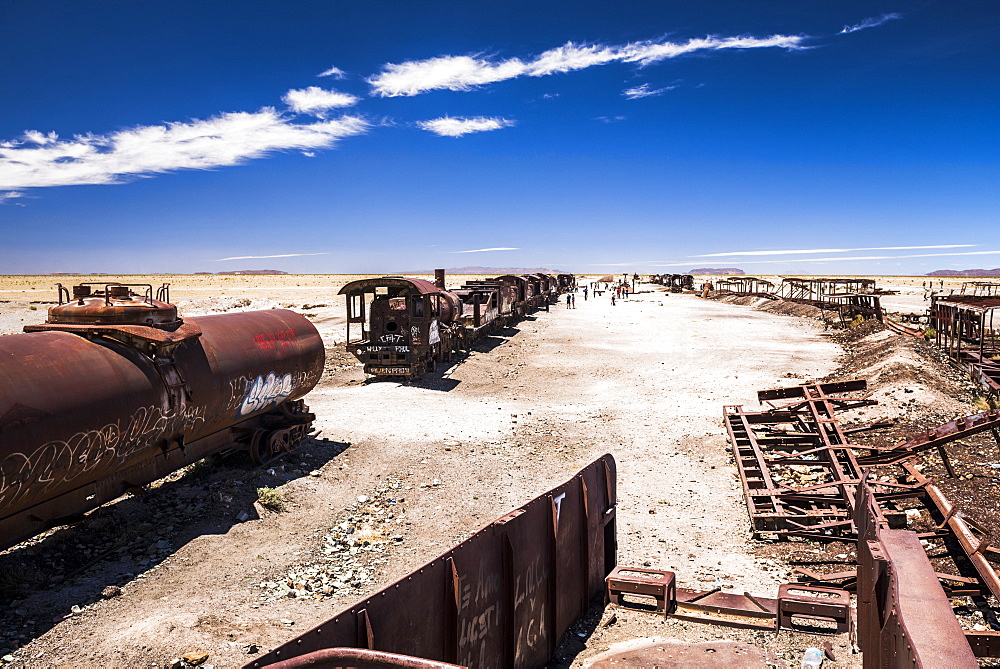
(265, 392)
(24, 475)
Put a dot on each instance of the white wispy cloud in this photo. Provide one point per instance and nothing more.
(334, 72)
(316, 100)
(610, 119)
(867, 248)
(498, 248)
(644, 91)
(448, 126)
(280, 255)
(226, 139)
(619, 264)
(10, 195)
(462, 73)
(842, 258)
(870, 23)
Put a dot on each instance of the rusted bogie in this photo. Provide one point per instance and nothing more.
(89, 409)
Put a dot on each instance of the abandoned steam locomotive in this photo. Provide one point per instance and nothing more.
(114, 391)
(410, 325)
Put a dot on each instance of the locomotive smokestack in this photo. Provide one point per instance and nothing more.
(439, 278)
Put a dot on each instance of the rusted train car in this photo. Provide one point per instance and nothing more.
(408, 326)
(115, 390)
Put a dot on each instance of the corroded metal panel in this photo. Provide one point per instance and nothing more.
(503, 597)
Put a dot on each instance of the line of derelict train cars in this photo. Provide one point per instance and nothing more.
(115, 390)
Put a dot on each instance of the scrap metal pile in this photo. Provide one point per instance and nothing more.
(802, 477)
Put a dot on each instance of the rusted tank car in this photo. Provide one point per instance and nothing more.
(408, 326)
(115, 390)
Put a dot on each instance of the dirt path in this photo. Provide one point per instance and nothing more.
(426, 465)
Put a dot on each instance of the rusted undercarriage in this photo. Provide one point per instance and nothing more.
(846, 299)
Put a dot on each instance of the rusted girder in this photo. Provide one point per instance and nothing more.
(971, 545)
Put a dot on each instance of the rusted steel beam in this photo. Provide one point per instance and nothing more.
(501, 598)
(984, 644)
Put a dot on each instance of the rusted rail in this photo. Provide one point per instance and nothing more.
(501, 598)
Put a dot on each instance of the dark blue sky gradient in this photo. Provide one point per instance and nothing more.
(883, 137)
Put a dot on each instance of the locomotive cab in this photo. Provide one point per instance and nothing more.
(406, 324)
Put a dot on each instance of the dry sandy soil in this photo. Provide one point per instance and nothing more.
(421, 466)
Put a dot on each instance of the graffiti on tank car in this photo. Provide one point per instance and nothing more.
(391, 338)
(269, 341)
(239, 385)
(380, 349)
(265, 392)
(58, 462)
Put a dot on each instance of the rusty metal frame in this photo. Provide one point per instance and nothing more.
(357, 658)
(802, 433)
(503, 597)
(825, 512)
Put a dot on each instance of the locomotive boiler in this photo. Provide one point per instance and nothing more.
(115, 390)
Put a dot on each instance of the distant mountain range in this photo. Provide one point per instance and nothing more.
(488, 270)
(717, 270)
(965, 272)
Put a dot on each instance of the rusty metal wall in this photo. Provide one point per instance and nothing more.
(503, 597)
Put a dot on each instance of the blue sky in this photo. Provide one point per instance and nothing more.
(819, 137)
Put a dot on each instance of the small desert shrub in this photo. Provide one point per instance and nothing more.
(200, 469)
(856, 322)
(930, 333)
(271, 498)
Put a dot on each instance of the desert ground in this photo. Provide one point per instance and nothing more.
(193, 565)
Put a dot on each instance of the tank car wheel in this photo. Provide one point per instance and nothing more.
(267, 446)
